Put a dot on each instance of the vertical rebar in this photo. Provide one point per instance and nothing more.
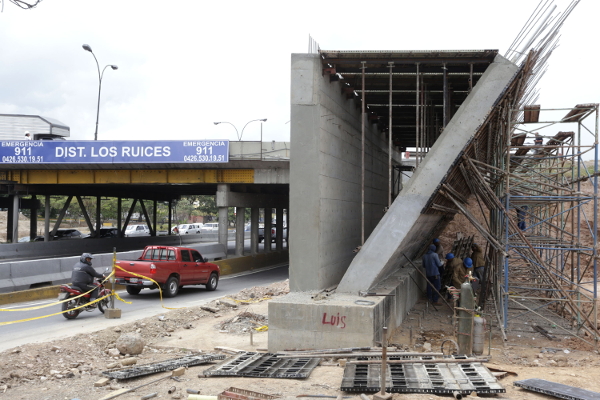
(383, 359)
(417, 120)
(470, 77)
(390, 176)
(445, 100)
(595, 235)
(362, 163)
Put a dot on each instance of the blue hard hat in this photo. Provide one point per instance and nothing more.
(468, 262)
(449, 256)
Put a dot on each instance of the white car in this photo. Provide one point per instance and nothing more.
(210, 227)
(137, 230)
(189, 229)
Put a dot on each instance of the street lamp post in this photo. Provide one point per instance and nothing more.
(239, 136)
(87, 47)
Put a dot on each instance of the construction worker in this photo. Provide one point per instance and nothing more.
(439, 249)
(477, 256)
(460, 271)
(452, 263)
(432, 264)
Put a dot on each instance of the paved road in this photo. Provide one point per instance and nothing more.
(146, 304)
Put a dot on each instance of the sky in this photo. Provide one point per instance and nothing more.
(184, 65)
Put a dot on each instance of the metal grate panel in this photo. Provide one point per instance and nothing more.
(557, 389)
(167, 365)
(435, 378)
(264, 365)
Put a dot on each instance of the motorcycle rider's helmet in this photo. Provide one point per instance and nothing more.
(85, 256)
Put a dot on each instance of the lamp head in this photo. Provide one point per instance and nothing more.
(263, 120)
(216, 123)
(87, 47)
(114, 67)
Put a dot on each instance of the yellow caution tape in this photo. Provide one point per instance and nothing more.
(55, 303)
(119, 298)
(112, 293)
(153, 281)
(263, 328)
(58, 313)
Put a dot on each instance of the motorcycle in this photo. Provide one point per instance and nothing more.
(71, 292)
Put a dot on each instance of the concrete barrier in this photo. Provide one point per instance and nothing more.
(6, 283)
(24, 274)
(241, 264)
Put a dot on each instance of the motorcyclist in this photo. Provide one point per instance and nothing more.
(83, 275)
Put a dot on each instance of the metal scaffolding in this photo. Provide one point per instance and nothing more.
(547, 221)
(541, 219)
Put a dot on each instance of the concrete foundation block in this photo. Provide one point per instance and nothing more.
(309, 320)
(112, 313)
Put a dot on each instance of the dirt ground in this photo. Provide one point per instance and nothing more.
(68, 368)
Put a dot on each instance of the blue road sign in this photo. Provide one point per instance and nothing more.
(113, 152)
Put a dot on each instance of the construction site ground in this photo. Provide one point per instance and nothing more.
(68, 368)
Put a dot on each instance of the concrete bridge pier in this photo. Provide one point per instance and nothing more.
(326, 195)
(255, 201)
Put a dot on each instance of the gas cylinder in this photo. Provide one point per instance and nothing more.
(465, 319)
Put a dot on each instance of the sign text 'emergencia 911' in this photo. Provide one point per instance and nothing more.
(113, 152)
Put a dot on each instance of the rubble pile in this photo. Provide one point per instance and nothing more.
(261, 292)
(243, 323)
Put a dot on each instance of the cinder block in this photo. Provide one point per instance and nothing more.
(101, 382)
(112, 313)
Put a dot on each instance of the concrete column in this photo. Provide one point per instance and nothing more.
(279, 227)
(287, 228)
(33, 217)
(222, 191)
(120, 216)
(154, 216)
(169, 227)
(98, 213)
(47, 219)
(239, 230)
(223, 228)
(254, 216)
(268, 218)
(12, 222)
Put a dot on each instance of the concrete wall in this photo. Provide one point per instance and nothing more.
(404, 230)
(325, 176)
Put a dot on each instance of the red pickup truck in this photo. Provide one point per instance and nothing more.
(172, 267)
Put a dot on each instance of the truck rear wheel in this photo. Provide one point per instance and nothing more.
(133, 290)
(213, 281)
(171, 288)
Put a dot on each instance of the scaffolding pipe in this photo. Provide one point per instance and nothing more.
(362, 163)
(390, 176)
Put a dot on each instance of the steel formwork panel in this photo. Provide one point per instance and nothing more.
(167, 365)
(434, 378)
(264, 365)
(557, 389)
